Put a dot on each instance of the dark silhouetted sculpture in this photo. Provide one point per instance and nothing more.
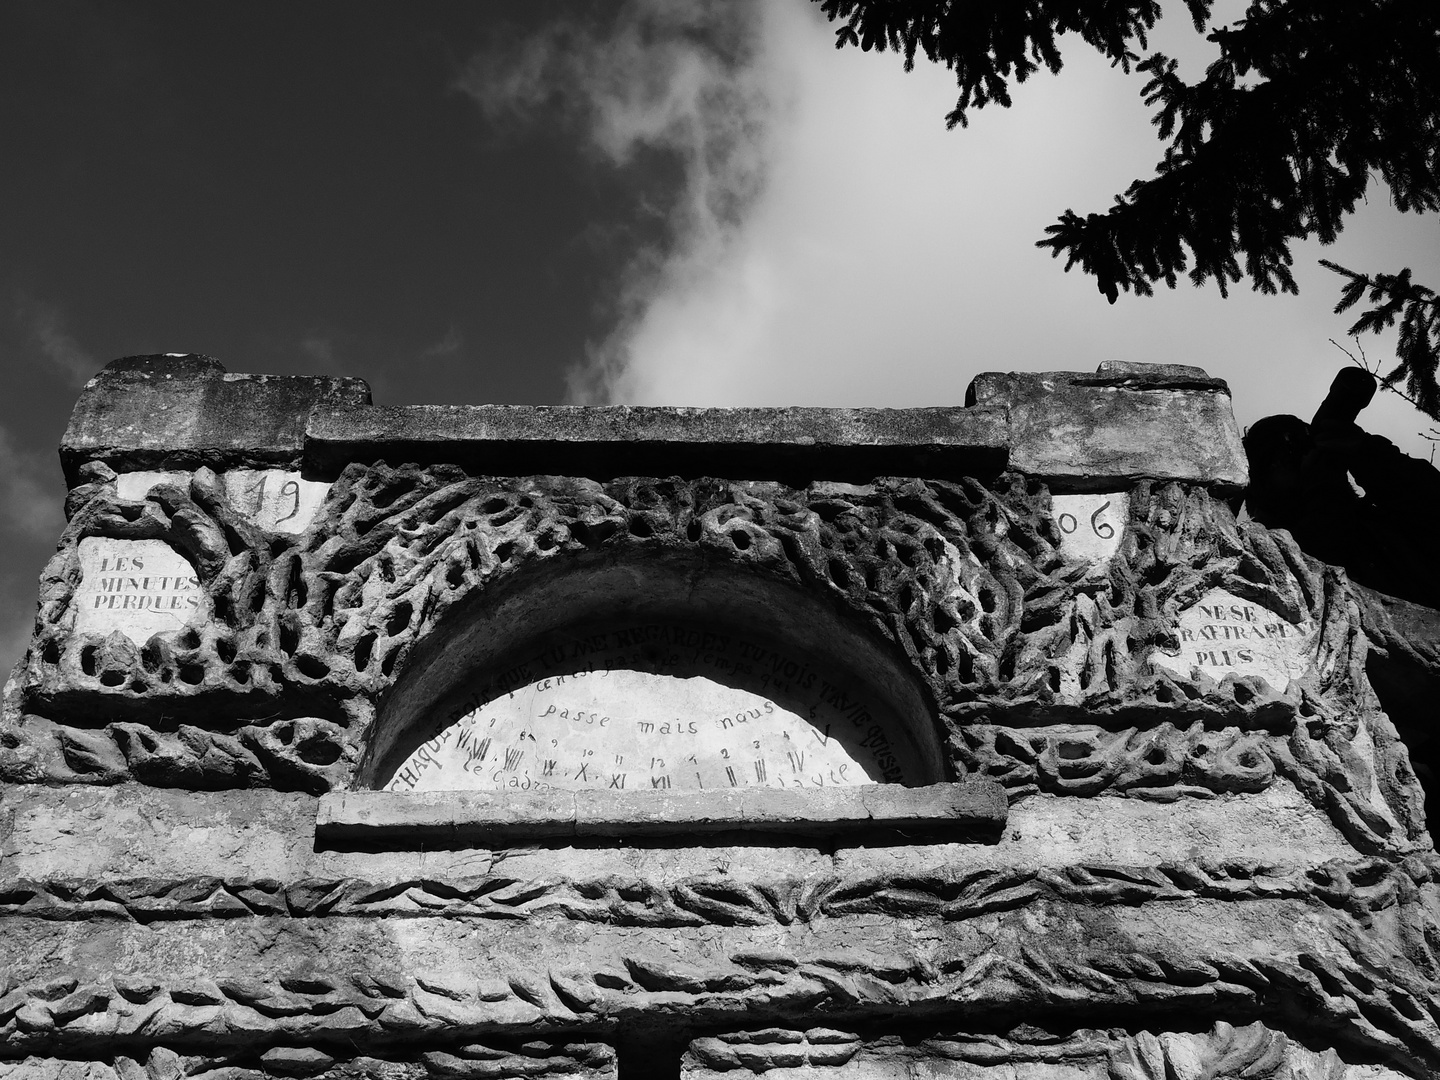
(1300, 480)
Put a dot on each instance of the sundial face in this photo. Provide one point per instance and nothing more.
(660, 706)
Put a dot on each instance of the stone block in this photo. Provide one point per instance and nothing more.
(1124, 423)
(177, 411)
(621, 440)
(971, 810)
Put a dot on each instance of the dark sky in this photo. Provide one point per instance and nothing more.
(283, 184)
(290, 187)
(654, 201)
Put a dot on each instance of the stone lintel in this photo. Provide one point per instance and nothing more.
(973, 809)
(602, 442)
(1078, 432)
(181, 410)
(1126, 422)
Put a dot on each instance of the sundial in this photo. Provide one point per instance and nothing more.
(660, 706)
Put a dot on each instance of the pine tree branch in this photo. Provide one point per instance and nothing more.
(1395, 297)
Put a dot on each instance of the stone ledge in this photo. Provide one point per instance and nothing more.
(1077, 431)
(603, 442)
(974, 810)
(182, 410)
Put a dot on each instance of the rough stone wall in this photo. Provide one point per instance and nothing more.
(1200, 874)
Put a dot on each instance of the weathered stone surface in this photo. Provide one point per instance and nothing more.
(278, 499)
(1023, 1054)
(219, 985)
(179, 411)
(622, 440)
(1125, 423)
(1232, 856)
(973, 809)
(969, 587)
(199, 855)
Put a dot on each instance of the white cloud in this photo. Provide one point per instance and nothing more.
(449, 345)
(832, 243)
(320, 350)
(47, 332)
(682, 79)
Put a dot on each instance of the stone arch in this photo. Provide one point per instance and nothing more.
(484, 635)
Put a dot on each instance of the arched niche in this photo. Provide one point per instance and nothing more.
(758, 682)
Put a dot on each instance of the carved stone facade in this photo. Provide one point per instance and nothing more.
(1131, 807)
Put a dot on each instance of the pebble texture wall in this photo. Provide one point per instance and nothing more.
(1182, 837)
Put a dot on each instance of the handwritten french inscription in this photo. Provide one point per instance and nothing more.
(660, 707)
(276, 499)
(1222, 634)
(1091, 526)
(139, 587)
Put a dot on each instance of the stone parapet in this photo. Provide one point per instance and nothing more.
(498, 742)
(1077, 432)
(603, 442)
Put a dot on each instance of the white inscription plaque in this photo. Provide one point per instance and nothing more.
(660, 706)
(277, 499)
(1221, 634)
(1091, 526)
(139, 587)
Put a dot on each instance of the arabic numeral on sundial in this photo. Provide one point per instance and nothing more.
(659, 762)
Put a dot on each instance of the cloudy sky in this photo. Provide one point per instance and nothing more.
(645, 201)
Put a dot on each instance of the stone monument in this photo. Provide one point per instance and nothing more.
(434, 743)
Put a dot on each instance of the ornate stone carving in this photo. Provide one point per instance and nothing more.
(1361, 889)
(969, 586)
